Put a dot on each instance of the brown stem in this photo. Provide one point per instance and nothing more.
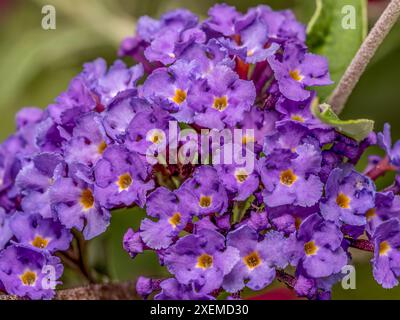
(108, 291)
(82, 257)
(74, 264)
(286, 278)
(364, 55)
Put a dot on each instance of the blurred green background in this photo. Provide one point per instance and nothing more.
(36, 65)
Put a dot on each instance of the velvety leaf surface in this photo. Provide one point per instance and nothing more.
(327, 36)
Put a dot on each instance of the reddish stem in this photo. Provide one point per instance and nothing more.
(242, 68)
(189, 227)
(381, 168)
(361, 244)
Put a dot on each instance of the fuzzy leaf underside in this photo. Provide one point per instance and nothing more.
(356, 129)
(326, 36)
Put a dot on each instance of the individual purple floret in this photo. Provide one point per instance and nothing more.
(148, 128)
(292, 177)
(172, 213)
(204, 193)
(35, 179)
(254, 45)
(387, 206)
(201, 260)
(120, 113)
(257, 259)
(122, 178)
(222, 99)
(206, 57)
(386, 261)
(107, 84)
(88, 141)
(169, 88)
(74, 204)
(133, 243)
(44, 234)
(238, 181)
(317, 247)
(385, 142)
(297, 69)
(221, 20)
(348, 196)
(168, 36)
(29, 273)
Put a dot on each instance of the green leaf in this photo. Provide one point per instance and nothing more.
(240, 208)
(356, 129)
(326, 36)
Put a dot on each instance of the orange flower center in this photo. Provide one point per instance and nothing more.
(253, 260)
(28, 278)
(220, 103)
(295, 75)
(204, 261)
(241, 175)
(205, 201)
(310, 248)
(180, 96)
(343, 201)
(40, 242)
(287, 177)
(297, 118)
(87, 199)
(124, 181)
(175, 220)
(370, 214)
(384, 248)
(102, 147)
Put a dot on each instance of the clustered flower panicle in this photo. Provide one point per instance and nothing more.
(68, 166)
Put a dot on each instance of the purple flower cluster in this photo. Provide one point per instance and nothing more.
(68, 166)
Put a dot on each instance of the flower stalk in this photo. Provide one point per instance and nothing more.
(364, 55)
(381, 169)
(361, 244)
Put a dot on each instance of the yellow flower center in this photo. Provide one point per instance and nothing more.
(370, 214)
(40, 242)
(253, 260)
(241, 175)
(175, 220)
(205, 201)
(343, 201)
(220, 103)
(29, 278)
(384, 248)
(124, 181)
(297, 118)
(310, 248)
(180, 96)
(250, 53)
(87, 199)
(247, 139)
(102, 146)
(295, 75)
(156, 137)
(204, 261)
(287, 177)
